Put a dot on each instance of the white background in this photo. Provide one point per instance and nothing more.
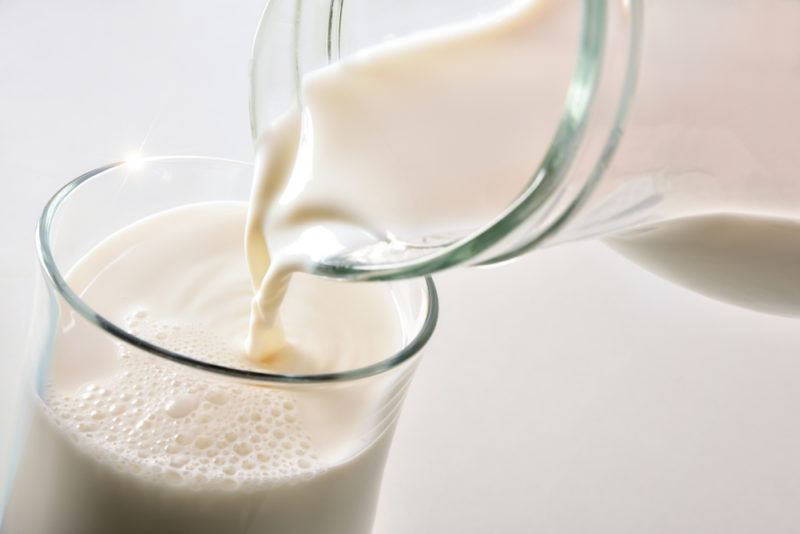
(569, 392)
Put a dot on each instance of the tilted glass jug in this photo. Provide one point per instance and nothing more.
(668, 110)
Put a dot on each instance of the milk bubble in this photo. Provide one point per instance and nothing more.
(179, 423)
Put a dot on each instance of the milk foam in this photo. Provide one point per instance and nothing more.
(167, 425)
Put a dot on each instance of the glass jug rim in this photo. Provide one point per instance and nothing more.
(58, 283)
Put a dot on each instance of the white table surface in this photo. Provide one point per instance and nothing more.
(569, 392)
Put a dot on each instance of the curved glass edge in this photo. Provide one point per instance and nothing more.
(56, 280)
(610, 146)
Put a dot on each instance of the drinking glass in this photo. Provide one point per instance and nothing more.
(56, 485)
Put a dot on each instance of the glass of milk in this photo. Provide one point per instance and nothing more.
(139, 413)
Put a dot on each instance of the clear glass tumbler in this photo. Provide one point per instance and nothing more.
(57, 484)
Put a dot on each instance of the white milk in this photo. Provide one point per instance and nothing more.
(437, 132)
(125, 443)
(747, 260)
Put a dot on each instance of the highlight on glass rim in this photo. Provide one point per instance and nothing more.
(235, 234)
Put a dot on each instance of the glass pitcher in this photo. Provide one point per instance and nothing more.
(665, 111)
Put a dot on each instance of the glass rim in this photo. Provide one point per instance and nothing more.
(57, 281)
